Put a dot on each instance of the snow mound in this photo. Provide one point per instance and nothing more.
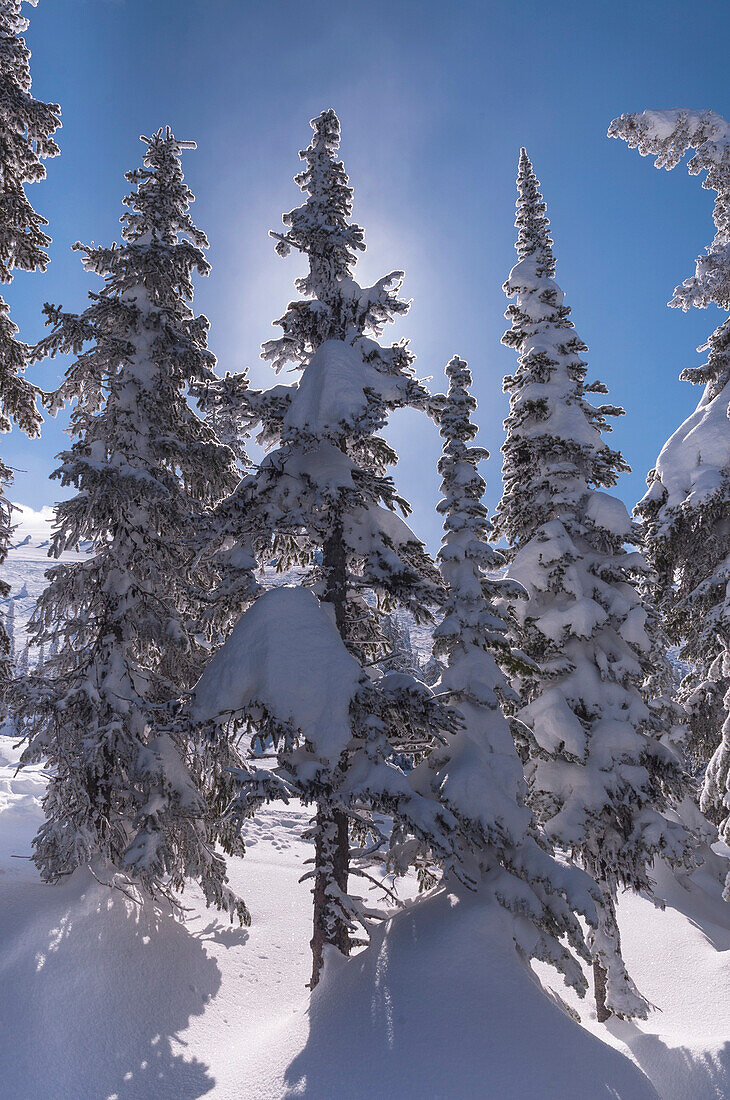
(286, 655)
(441, 1007)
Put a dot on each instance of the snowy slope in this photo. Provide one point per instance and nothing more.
(98, 1002)
(680, 958)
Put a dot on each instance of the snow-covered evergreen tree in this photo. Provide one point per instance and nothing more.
(322, 497)
(26, 128)
(477, 775)
(598, 774)
(400, 655)
(685, 509)
(127, 794)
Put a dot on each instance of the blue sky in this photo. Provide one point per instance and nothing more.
(435, 100)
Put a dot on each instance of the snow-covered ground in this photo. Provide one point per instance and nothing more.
(100, 1000)
(26, 566)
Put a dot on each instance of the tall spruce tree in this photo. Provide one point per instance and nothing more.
(127, 795)
(477, 775)
(322, 498)
(598, 774)
(685, 509)
(26, 128)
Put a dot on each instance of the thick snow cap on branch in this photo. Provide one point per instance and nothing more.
(668, 134)
(285, 655)
(610, 513)
(694, 461)
(331, 394)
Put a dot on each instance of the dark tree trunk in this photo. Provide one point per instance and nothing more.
(599, 988)
(332, 841)
(607, 916)
(332, 858)
(334, 567)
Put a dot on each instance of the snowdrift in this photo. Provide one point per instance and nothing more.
(440, 1006)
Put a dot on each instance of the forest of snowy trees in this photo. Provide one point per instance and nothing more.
(238, 633)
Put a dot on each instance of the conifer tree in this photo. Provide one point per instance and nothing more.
(322, 496)
(400, 655)
(127, 795)
(477, 775)
(685, 509)
(598, 773)
(26, 128)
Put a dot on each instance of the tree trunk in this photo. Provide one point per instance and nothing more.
(599, 988)
(334, 567)
(332, 859)
(332, 841)
(610, 934)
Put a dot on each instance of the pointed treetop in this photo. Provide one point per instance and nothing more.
(533, 238)
(336, 307)
(326, 128)
(321, 227)
(158, 207)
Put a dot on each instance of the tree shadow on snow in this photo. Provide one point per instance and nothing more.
(94, 995)
(698, 897)
(225, 934)
(677, 1073)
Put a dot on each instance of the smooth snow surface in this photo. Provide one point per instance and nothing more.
(439, 1006)
(98, 1002)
